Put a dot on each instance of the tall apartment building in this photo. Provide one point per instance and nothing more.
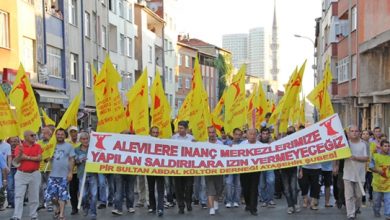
(258, 53)
(373, 36)
(347, 63)
(121, 33)
(166, 9)
(237, 44)
(252, 49)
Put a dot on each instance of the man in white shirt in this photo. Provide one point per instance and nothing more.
(250, 181)
(354, 172)
(183, 184)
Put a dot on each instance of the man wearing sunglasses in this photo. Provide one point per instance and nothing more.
(27, 158)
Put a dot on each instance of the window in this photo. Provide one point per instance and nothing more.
(187, 83)
(94, 31)
(342, 70)
(73, 12)
(96, 65)
(179, 103)
(88, 74)
(170, 75)
(126, 81)
(54, 61)
(112, 5)
(130, 12)
(170, 99)
(129, 47)
(353, 18)
(150, 52)
(166, 44)
(187, 61)
(179, 82)
(166, 74)
(104, 37)
(87, 21)
(74, 66)
(354, 66)
(4, 29)
(150, 79)
(122, 44)
(170, 48)
(179, 59)
(28, 54)
(121, 9)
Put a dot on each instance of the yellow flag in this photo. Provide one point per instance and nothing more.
(252, 109)
(109, 106)
(320, 97)
(216, 116)
(160, 111)
(235, 105)
(8, 125)
(302, 116)
(263, 107)
(70, 116)
(23, 98)
(138, 105)
(282, 111)
(200, 117)
(184, 111)
(46, 119)
(67, 120)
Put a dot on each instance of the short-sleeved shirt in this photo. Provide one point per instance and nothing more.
(353, 170)
(80, 154)
(60, 162)
(74, 144)
(326, 166)
(381, 162)
(188, 137)
(5, 150)
(31, 151)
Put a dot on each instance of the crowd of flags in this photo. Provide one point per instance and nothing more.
(234, 109)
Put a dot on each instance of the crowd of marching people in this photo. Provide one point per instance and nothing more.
(25, 182)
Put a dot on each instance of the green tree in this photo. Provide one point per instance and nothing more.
(224, 66)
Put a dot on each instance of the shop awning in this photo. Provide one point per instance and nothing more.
(51, 97)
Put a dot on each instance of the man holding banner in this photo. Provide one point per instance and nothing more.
(153, 182)
(250, 181)
(354, 173)
(183, 184)
(90, 185)
(214, 183)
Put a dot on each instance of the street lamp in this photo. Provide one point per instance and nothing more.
(315, 114)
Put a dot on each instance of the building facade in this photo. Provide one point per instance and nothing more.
(237, 44)
(373, 36)
(185, 67)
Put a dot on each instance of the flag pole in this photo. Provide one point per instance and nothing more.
(82, 189)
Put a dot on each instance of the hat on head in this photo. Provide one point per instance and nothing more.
(71, 128)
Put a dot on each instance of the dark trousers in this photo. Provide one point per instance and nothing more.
(183, 190)
(249, 185)
(367, 186)
(73, 190)
(311, 180)
(339, 195)
(278, 184)
(154, 181)
(290, 182)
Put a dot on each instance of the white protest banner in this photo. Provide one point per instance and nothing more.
(132, 154)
